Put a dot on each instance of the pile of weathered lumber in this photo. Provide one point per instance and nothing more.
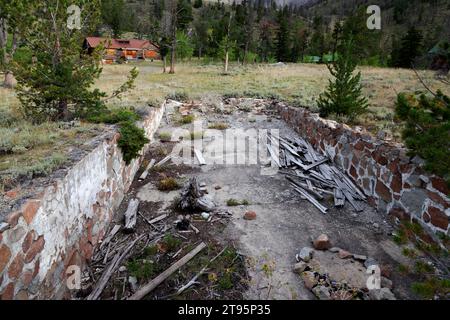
(312, 175)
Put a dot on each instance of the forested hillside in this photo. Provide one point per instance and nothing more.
(269, 31)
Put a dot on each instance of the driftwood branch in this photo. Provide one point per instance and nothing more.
(141, 293)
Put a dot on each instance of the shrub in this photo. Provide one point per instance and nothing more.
(132, 140)
(178, 96)
(114, 116)
(233, 202)
(187, 119)
(168, 184)
(343, 96)
(427, 129)
(218, 126)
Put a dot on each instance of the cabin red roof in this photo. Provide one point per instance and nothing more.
(93, 42)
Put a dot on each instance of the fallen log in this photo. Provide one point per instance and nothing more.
(141, 293)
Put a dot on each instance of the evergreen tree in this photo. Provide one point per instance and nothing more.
(283, 38)
(410, 49)
(343, 96)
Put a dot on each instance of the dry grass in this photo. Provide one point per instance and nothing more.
(299, 84)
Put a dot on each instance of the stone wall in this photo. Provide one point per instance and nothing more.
(393, 182)
(61, 225)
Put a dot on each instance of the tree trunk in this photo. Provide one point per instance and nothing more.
(225, 67)
(64, 110)
(164, 64)
(172, 60)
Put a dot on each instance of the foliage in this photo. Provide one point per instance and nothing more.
(116, 16)
(405, 52)
(185, 48)
(58, 80)
(132, 140)
(344, 93)
(427, 129)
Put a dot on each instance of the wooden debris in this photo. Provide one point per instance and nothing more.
(111, 235)
(200, 157)
(112, 267)
(141, 293)
(131, 215)
(149, 167)
(311, 174)
(198, 275)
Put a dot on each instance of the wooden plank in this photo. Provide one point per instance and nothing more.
(159, 218)
(131, 215)
(149, 167)
(141, 293)
(200, 157)
(273, 156)
(111, 235)
(311, 199)
(163, 161)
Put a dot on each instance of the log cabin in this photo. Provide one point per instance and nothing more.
(123, 50)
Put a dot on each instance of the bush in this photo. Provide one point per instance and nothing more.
(427, 129)
(114, 116)
(132, 140)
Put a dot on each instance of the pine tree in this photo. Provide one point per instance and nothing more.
(411, 46)
(283, 38)
(343, 96)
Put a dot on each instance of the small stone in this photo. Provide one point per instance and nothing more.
(386, 283)
(370, 262)
(4, 226)
(300, 267)
(359, 257)
(217, 187)
(344, 254)
(322, 242)
(250, 215)
(202, 185)
(205, 215)
(381, 294)
(376, 225)
(335, 249)
(305, 254)
(322, 293)
(122, 269)
(309, 279)
(133, 283)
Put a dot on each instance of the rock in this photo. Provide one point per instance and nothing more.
(205, 204)
(202, 185)
(386, 283)
(376, 225)
(250, 215)
(122, 269)
(133, 283)
(205, 215)
(322, 293)
(381, 294)
(309, 279)
(335, 249)
(217, 187)
(359, 257)
(4, 226)
(369, 262)
(344, 254)
(300, 267)
(322, 242)
(305, 254)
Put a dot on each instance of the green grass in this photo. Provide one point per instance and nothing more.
(186, 119)
(171, 243)
(429, 288)
(233, 202)
(165, 136)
